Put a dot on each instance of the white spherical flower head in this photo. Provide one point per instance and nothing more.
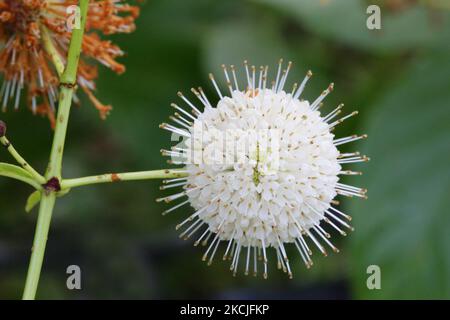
(261, 169)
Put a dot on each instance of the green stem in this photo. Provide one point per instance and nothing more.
(21, 161)
(67, 83)
(51, 50)
(40, 239)
(127, 176)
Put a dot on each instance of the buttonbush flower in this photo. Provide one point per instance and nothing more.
(278, 189)
(24, 63)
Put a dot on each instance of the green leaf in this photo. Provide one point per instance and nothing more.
(234, 42)
(15, 172)
(404, 225)
(33, 200)
(345, 21)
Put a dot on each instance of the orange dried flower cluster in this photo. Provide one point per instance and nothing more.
(24, 63)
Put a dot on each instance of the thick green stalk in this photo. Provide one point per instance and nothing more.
(53, 174)
(127, 176)
(40, 239)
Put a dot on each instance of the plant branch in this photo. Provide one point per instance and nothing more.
(51, 50)
(21, 161)
(53, 174)
(127, 176)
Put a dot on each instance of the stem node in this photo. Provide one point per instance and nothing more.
(52, 185)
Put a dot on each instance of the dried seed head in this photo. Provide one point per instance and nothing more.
(25, 65)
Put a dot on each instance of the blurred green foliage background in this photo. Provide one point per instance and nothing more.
(397, 77)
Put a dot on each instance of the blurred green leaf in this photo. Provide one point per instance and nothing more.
(15, 172)
(345, 21)
(33, 200)
(403, 227)
(236, 41)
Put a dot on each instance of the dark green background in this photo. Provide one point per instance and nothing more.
(398, 78)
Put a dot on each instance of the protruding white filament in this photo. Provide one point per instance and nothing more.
(316, 242)
(348, 139)
(196, 243)
(5, 97)
(353, 159)
(172, 185)
(255, 261)
(345, 224)
(304, 255)
(200, 97)
(215, 239)
(214, 252)
(280, 261)
(280, 65)
(335, 123)
(253, 81)
(182, 111)
(304, 244)
(247, 262)
(176, 130)
(316, 103)
(261, 71)
(33, 104)
(284, 78)
(325, 238)
(233, 72)
(346, 216)
(326, 234)
(179, 116)
(264, 258)
(173, 180)
(294, 87)
(175, 207)
(211, 77)
(350, 154)
(333, 113)
(247, 73)
(350, 173)
(176, 196)
(195, 223)
(266, 70)
(205, 98)
(350, 188)
(13, 87)
(172, 153)
(225, 71)
(335, 226)
(229, 245)
(179, 122)
(205, 242)
(191, 217)
(190, 104)
(303, 84)
(350, 191)
(234, 263)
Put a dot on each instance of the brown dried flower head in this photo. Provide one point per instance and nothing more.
(24, 62)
